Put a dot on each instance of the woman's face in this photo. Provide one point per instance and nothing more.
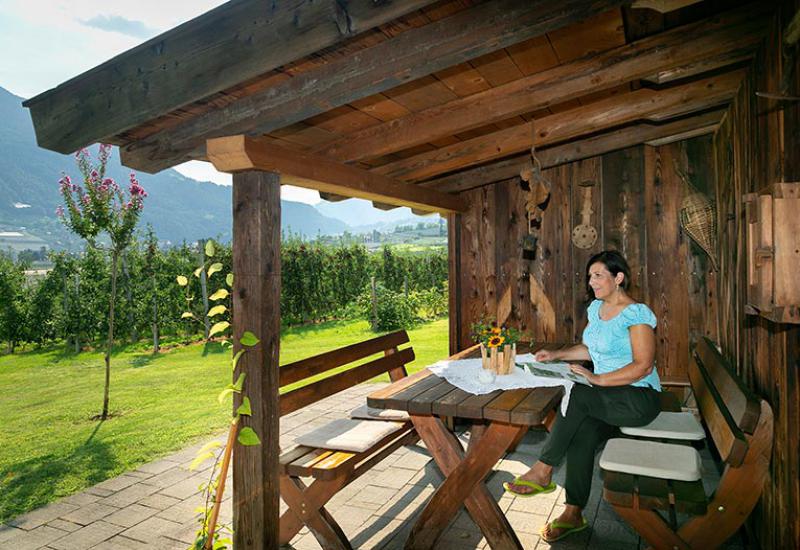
(602, 282)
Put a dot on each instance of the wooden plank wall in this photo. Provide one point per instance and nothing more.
(635, 197)
(757, 144)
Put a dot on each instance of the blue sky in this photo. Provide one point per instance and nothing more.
(45, 42)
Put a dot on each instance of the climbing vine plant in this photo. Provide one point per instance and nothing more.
(210, 535)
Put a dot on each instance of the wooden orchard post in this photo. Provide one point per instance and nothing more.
(256, 307)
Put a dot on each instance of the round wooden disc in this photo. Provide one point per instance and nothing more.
(584, 236)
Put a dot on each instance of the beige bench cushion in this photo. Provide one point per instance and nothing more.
(670, 425)
(368, 413)
(347, 434)
(650, 458)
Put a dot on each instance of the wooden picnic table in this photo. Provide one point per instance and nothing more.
(499, 420)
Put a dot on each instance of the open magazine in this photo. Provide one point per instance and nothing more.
(553, 369)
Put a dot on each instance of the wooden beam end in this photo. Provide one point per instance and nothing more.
(231, 153)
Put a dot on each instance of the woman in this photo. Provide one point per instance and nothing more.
(620, 340)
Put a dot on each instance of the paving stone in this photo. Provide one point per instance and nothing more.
(151, 529)
(87, 537)
(43, 515)
(377, 534)
(183, 510)
(131, 515)
(89, 513)
(393, 478)
(170, 477)
(375, 495)
(132, 494)
(139, 475)
(614, 531)
(156, 467)
(186, 488)
(120, 542)
(67, 526)
(159, 501)
(99, 491)
(35, 538)
(118, 483)
(8, 532)
(80, 499)
(415, 460)
(306, 542)
(526, 523)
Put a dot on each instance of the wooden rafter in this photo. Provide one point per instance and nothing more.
(673, 54)
(242, 153)
(577, 150)
(644, 104)
(222, 48)
(466, 35)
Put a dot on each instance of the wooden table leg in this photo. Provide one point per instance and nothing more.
(308, 507)
(463, 484)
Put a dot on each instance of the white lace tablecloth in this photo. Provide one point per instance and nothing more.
(463, 374)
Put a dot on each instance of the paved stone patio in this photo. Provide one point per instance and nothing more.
(154, 506)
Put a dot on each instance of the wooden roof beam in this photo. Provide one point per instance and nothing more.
(415, 53)
(594, 117)
(707, 44)
(224, 47)
(241, 153)
(628, 136)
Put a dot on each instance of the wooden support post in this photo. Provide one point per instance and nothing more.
(256, 307)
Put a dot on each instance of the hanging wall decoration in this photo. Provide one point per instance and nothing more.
(537, 198)
(585, 235)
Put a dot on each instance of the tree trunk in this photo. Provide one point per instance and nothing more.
(110, 342)
(134, 336)
(78, 311)
(156, 346)
(204, 288)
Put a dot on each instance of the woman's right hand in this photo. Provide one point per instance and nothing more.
(544, 355)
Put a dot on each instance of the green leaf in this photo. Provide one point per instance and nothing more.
(213, 268)
(239, 382)
(218, 327)
(236, 358)
(198, 271)
(219, 295)
(249, 339)
(248, 437)
(229, 279)
(225, 393)
(216, 310)
(209, 248)
(244, 408)
(182, 281)
(200, 459)
(187, 315)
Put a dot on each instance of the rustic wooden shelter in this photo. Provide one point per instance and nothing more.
(655, 122)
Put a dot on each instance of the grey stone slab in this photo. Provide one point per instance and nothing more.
(67, 526)
(89, 513)
(185, 488)
(170, 477)
(131, 515)
(43, 515)
(151, 529)
(35, 538)
(132, 494)
(157, 467)
(99, 491)
(183, 510)
(80, 499)
(8, 532)
(87, 537)
(118, 483)
(158, 501)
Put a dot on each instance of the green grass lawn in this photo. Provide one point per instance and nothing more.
(51, 448)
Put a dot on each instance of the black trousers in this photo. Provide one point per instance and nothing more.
(593, 415)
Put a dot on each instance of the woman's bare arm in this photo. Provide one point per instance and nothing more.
(578, 352)
(643, 345)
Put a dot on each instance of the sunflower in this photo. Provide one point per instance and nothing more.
(495, 341)
(496, 330)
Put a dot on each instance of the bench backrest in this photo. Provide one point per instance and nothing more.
(728, 407)
(321, 386)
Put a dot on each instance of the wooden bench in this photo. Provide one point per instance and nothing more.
(741, 428)
(331, 470)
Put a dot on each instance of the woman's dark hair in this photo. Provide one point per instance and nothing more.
(615, 263)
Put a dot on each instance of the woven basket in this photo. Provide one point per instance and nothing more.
(698, 218)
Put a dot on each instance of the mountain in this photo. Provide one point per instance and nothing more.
(363, 217)
(179, 208)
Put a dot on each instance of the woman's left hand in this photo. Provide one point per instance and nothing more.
(586, 373)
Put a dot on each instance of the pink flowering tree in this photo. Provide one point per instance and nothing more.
(98, 207)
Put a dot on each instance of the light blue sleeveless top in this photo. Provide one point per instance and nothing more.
(609, 342)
